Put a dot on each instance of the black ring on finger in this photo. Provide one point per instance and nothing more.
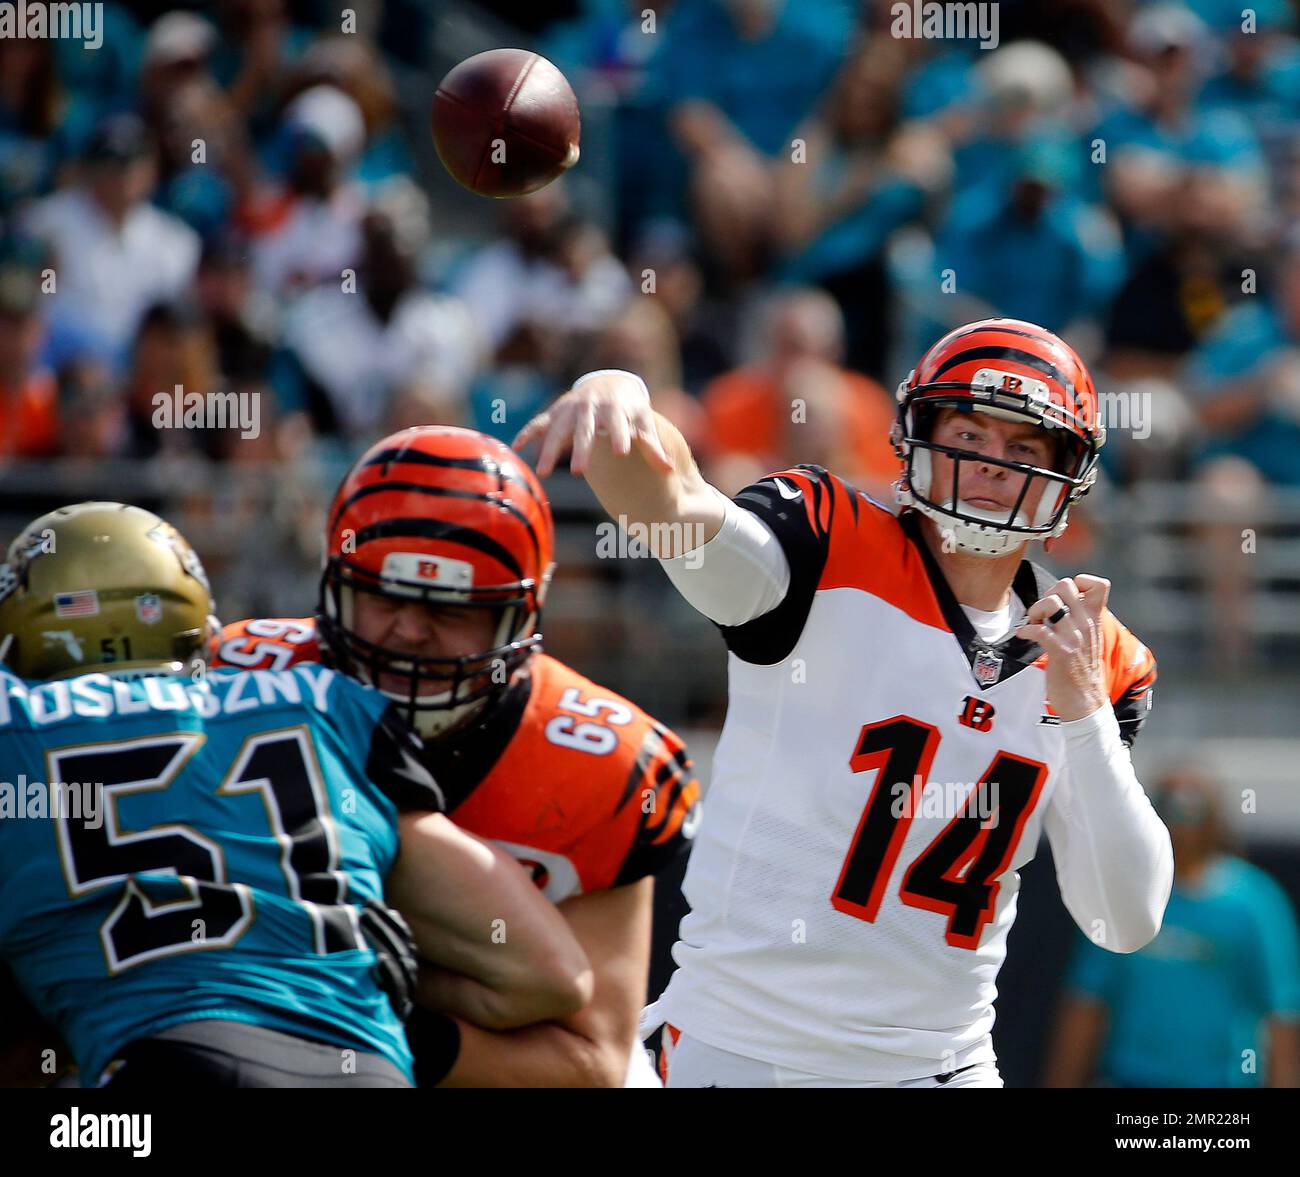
(1055, 617)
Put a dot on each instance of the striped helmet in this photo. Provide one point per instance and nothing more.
(442, 516)
(1016, 371)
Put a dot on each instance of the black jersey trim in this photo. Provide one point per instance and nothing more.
(769, 639)
(1133, 707)
(396, 763)
(1031, 583)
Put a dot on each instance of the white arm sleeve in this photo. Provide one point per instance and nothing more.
(740, 574)
(1114, 859)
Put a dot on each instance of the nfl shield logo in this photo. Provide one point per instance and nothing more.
(148, 608)
(987, 668)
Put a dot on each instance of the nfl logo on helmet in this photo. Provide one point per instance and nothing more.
(148, 608)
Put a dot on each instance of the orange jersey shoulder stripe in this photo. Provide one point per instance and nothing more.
(866, 547)
(1130, 666)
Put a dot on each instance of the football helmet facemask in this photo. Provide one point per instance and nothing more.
(1016, 371)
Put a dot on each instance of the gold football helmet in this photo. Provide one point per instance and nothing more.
(102, 586)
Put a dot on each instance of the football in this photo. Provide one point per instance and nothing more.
(506, 123)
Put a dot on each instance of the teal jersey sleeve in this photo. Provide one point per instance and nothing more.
(203, 852)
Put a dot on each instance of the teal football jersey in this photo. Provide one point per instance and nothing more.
(173, 850)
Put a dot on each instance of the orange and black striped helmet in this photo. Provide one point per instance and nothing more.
(1017, 371)
(442, 516)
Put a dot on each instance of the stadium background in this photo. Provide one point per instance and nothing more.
(938, 182)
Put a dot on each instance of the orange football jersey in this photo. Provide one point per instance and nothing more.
(579, 784)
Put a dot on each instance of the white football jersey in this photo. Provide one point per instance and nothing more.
(881, 776)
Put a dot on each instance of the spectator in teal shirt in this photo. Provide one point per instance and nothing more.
(741, 75)
(1259, 74)
(1244, 378)
(1214, 999)
(1030, 251)
(1175, 49)
(863, 176)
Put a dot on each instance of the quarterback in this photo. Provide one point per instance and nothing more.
(912, 703)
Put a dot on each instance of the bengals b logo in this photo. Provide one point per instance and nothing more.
(977, 713)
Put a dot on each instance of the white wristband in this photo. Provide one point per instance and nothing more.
(581, 380)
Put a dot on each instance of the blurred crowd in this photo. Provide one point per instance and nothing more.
(1127, 174)
(226, 200)
(232, 198)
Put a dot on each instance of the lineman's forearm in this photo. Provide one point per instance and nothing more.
(474, 912)
(548, 1054)
(449, 992)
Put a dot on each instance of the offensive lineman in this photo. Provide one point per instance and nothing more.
(439, 546)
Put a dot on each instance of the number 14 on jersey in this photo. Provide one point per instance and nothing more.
(956, 874)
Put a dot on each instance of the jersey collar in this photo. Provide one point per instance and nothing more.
(990, 662)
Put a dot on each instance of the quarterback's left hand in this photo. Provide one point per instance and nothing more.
(1076, 681)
